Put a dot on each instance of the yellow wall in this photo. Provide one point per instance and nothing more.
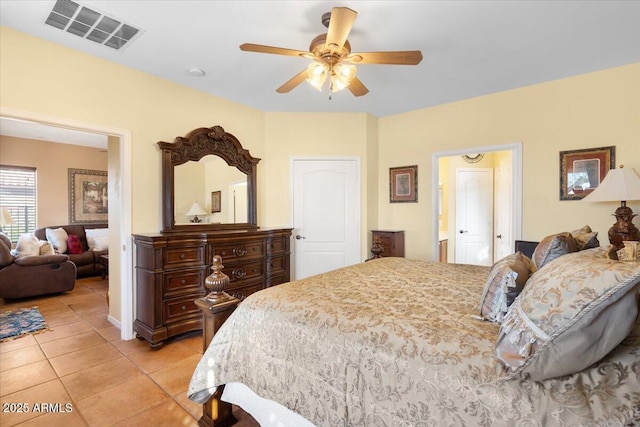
(592, 110)
(52, 162)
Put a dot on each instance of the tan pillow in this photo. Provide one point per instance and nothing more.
(506, 280)
(570, 315)
(28, 245)
(45, 248)
(586, 238)
(58, 239)
(552, 247)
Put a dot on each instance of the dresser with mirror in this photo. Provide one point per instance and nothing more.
(208, 208)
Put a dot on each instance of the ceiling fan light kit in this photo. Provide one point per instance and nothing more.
(332, 56)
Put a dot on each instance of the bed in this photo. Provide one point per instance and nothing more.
(401, 342)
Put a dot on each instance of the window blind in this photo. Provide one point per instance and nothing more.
(18, 196)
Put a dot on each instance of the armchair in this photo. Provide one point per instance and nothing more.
(33, 275)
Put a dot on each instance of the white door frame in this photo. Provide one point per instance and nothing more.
(358, 207)
(516, 174)
(125, 240)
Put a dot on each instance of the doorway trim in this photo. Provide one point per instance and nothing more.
(516, 176)
(125, 241)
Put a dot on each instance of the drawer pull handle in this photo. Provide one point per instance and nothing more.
(239, 251)
(184, 307)
(183, 256)
(238, 273)
(183, 281)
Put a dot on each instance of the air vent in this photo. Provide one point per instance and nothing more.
(69, 16)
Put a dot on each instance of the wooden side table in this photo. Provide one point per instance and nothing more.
(392, 242)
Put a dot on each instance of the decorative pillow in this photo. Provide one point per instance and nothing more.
(570, 315)
(552, 247)
(506, 279)
(586, 238)
(98, 239)
(73, 244)
(58, 239)
(46, 248)
(28, 245)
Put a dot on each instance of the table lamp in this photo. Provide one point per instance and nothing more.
(619, 185)
(195, 211)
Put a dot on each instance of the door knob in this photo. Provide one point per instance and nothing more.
(298, 237)
(464, 231)
(499, 236)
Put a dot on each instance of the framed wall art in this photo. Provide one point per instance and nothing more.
(88, 198)
(216, 201)
(403, 184)
(581, 171)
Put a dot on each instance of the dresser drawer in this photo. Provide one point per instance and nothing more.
(184, 255)
(181, 282)
(245, 291)
(176, 309)
(230, 251)
(244, 272)
(276, 245)
(276, 265)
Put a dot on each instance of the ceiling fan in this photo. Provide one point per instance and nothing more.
(332, 56)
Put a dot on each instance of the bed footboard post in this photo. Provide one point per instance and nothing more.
(215, 412)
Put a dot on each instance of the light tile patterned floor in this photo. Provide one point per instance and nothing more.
(98, 379)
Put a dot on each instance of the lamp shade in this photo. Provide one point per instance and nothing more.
(196, 210)
(618, 185)
(5, 217)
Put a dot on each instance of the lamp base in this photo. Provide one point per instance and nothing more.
(196, 220)
(623, 229)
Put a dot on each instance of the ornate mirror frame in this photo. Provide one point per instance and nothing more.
(194, 146)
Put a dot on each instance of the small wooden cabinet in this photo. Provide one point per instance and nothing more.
(392, 242)
(171, 268)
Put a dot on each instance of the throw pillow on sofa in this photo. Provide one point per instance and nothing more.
(74, 246)
(28, 245)
(97, 239)
(46, 248)
(58, 239)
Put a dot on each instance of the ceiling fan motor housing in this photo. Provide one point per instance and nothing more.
(320, 49)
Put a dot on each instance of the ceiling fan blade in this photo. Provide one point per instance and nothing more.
(342, 19)
(357, 88)
(400, 57)
(293, 82)
(260, 48)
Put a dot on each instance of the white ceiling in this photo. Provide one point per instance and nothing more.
(470, 48)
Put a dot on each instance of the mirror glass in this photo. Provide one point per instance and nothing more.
(219, 189)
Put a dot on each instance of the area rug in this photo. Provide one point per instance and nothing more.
(21, 322)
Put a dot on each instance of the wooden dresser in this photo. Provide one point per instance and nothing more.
(392, 242)
(171, 268)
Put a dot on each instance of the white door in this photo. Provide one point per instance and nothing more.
(503, 243)
(326, 215)
(474, 216)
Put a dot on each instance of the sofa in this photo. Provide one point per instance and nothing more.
(29, 276)
(87, 262)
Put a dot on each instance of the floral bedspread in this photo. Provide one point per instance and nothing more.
(391, 342)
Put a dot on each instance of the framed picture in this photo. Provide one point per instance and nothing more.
(88, 198)
(403, 184)
(581, 171)
(216, 201)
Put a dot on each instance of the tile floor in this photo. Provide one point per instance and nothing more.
(98, 379)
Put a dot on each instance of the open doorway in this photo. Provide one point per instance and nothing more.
(500, 223)
(119, 177)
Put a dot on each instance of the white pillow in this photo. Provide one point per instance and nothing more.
(97, 239)
(58, 239)
(27, 245)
